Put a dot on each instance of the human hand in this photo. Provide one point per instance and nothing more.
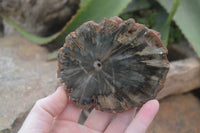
(55, 114)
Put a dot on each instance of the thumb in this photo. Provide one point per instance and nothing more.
(41, 117)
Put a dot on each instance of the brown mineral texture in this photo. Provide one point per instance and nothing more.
(112, 66)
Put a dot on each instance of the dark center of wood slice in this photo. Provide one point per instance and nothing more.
(97, 65)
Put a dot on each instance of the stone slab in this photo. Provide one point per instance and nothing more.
(25, 76)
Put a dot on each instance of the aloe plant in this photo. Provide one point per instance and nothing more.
(183, 12)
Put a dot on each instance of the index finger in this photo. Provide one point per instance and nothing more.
(144, 117)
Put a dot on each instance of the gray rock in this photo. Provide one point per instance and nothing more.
(40, 17)
(25, 77)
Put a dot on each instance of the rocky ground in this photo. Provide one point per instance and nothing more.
(26, 76)
(177, 114)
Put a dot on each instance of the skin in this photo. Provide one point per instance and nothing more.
(56, 114)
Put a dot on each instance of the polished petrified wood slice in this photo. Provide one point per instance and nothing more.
(112, 66)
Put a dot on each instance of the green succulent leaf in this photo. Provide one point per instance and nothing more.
(83, 2)
(94, 10)
(187, 18)
(53, 56)
(164, 20)
(32, 37)
(160, 21)
(136, 5)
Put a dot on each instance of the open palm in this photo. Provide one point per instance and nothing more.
(56, 114)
